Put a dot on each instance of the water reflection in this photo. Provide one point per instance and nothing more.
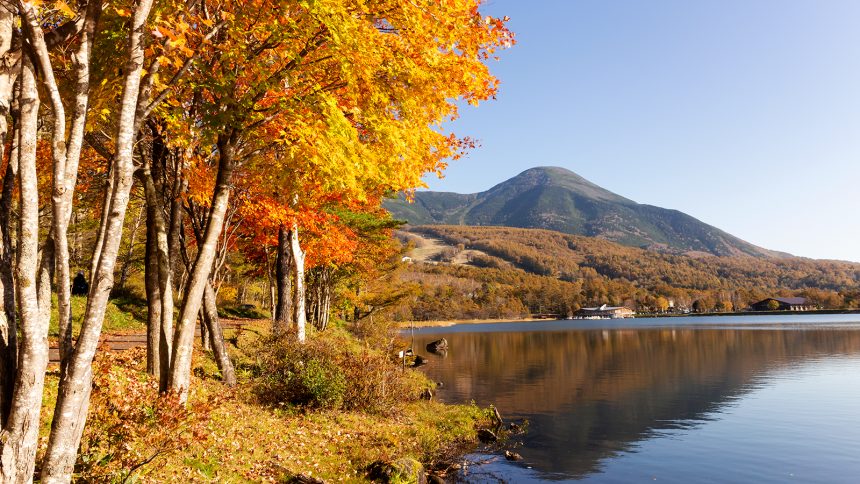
(592, 395)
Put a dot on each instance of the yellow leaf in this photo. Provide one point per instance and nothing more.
(62, 6)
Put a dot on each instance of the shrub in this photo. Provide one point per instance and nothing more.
(321, 384)
(130, 427)
(331, 370)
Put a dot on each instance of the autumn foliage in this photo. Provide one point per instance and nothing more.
(179, 140)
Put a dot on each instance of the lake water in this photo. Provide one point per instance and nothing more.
(693, 399)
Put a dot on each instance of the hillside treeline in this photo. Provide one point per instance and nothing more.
(551, 272)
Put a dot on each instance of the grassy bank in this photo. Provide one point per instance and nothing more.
(258, 431)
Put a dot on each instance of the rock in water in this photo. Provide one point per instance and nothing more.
(512, 455)
(438, 347)
(419, 360)
(487, 436)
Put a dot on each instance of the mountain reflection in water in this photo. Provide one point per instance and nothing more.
(593, 395)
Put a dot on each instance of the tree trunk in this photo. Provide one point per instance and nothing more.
(176, 224)
(319, 296)
(180, 370)
(129, 253)
(205, 337)
(163, 275)
(74, 390)
(270, 293)
(299, 274)
(325, 288)
(103, 222)
(20, 435)
(153, 299)
(65, 155)
(284, 305)
(8, 330)
(210, 316)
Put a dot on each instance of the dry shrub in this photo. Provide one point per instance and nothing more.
(376, 332)
(332, 370)
(130, 425)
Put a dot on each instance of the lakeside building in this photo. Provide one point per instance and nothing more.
(783, 304)
(604, 311)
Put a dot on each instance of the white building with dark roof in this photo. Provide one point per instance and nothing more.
(605, 312)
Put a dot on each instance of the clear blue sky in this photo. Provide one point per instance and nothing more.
(742, 113)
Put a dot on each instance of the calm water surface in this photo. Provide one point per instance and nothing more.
(722, 399)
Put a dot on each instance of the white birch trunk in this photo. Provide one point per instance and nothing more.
(8, 330)
(20, 436)
(283, 310)
(183, 345)
(75, 387)
(299, 314)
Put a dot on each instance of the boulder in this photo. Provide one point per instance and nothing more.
(512, 455)
(405, 470)
(419, 361)
(438, 347)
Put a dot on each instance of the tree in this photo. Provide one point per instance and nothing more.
(725, 306)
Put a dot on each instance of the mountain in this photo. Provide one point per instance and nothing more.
(558, 199)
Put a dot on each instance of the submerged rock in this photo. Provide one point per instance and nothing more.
(439, 346)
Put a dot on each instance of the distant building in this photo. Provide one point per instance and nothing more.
(783, 304)
(604, 311)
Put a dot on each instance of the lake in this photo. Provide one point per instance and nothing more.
(686, 399)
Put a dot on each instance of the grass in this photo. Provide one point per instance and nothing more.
(227, 435)
(123, 313)
(242, 311)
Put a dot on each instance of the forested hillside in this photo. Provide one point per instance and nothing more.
(551, 272)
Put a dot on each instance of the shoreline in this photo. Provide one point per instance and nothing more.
(453, 322)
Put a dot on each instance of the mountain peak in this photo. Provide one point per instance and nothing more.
(556, 198)
(555, 176)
